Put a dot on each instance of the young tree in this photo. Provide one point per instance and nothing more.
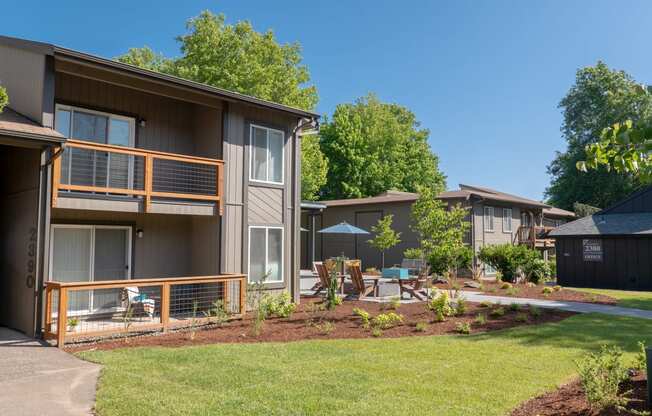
(314, 168)
(236, 58)
(4, 98)
(584, 210)
(599, 98)
(373, 146)
(441, 230)
(385, 237)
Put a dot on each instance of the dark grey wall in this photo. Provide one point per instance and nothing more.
(19, 188)
(638, 202)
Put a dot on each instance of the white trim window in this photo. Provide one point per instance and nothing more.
(95, 126)
(489, 219)
(507, 220)
(266, 254)
(266, 161)
(489, 270)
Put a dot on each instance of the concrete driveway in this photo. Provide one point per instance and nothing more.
(36, 379)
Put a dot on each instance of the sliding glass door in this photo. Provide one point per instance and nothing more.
(88, 253)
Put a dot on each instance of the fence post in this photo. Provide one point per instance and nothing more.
(165, 305)
(62, 318)
(48, 311)
(243, 290)
(149, 172)
(220, 187)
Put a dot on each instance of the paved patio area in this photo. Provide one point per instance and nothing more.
(36, 379)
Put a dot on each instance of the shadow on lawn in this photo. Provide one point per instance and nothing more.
(587, 332)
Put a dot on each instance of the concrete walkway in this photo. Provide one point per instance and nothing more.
(563, 305)
(36, 379)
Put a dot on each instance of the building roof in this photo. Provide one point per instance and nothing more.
(467, 191)
(558, 212)
(383, 198)
(639, 223)
(58, 51)
(17, 125)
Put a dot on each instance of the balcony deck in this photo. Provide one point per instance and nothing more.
(114, 178)
(87, 310)
(534, 237)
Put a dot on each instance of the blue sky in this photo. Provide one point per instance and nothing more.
(485, 77)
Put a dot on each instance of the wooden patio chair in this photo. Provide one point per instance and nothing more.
(359, 284)
(416, 287)
(324, 278)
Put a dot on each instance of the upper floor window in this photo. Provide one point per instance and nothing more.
(266, 155)
(95, 126)
(507, 220)
(488, 218)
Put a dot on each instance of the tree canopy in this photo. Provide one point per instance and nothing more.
(236, 58)
(4, 98)
(314, 168)
(599, 98)
(373, 147)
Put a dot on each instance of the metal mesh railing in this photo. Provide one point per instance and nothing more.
(100, 169)
(100, 309)
(174, 176)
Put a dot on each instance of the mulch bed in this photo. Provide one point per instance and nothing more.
(346, 325)
(536, 292)
(569, 400)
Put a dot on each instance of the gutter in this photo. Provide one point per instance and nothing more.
(32, 136)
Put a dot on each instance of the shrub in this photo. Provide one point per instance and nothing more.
(217, 313)
(463, 328)
(395, 302)
(497, 312)
(485, 304)
(556, 288)
(521, 317)
(376, 332)
(514, 307)
(460, 306)
(387, 320)
(536, 269)
(552, 265)
(640, 360)
(508, 259)
(506, 285)
(421, 327)
(535, 311)
(280, 305)
(601, 374)
(512, 291)
(481, 319)
(414, 253)
(440, 305)
(546, 290)
(325, 327)
(364, 315)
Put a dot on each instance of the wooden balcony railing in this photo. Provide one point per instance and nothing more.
(115, 170)
(87, 310)
(533, 236)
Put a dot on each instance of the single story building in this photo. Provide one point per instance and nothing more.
(611, 249)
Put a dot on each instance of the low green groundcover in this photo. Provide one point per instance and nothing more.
(440, 375)
(626, 298)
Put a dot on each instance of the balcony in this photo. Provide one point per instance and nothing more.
(534, 236)
(136, 180)
(77, 311)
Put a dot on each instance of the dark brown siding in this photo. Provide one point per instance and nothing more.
(627, 264)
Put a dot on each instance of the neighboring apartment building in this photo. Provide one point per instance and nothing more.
(496, 218)
(112, 172)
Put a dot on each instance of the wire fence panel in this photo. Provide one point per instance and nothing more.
(86, 167)
(180, 177)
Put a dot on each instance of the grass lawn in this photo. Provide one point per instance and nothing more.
(626, 298)
(484, 374)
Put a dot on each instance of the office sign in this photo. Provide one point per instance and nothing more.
(592, 249)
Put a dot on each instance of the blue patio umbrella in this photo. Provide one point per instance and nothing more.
(343, 228)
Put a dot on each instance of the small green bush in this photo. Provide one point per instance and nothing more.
(485, 304)
(395, 302)
(440, 305)
(521, 317)
(601, 374)
(325, 327)
(387, 320)
(510, 260)
(536, 269)
(460, 306)
(556, 288)
(546, 290)
(640, 360)
(512, 291)
(421, 327)
(506, 285)
(364, 316)
(463, 328)
(481, 319)
(514, 307)
(280, 305)
(376, 332)
(497, 312)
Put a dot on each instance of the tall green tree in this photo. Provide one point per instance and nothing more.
(4, 98)
(441, 230)
(599, 98)
(373, 147)
(385, 236)
(237, 58)
(314, 168)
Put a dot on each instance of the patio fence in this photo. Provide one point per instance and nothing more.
(76, 311)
